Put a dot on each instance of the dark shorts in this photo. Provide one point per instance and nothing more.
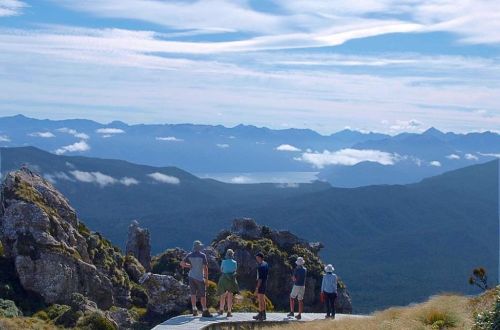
(262, 288)
(197, 288)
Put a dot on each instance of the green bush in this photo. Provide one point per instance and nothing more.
(438, 319)
(488, 320)
(96, 321)
(138, 295)
(246, 301)
(212, 297)
(9, 309)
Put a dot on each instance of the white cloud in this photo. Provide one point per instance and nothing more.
(42, 134)
(110, 130)
(406, 125)
(54, 177)
(168, 138)
(435, 163)
(4, 138)
(73, 132)
(453, 156)
(11, 7)
(490, 154)
(94, 177)
(347, 157)
(222, 145)
(163, 178)
(288, 185)
(128, 181)
(241, 179)
(471, 157)
(75, 147)
(287, 147)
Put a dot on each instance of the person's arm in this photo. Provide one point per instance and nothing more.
(294, 276)
(185, 263)
(323, 284)
(259, 281)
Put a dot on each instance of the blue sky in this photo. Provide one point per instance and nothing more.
(386, 65)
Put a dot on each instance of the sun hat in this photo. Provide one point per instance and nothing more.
(329, 268)
(229, 254)
(300, 261)
(197, 246)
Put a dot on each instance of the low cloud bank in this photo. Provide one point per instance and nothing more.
(163, 178)
(348, 157)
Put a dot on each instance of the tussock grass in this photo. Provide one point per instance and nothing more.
(440, 312)
(25, 323)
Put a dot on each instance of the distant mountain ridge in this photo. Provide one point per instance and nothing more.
(396, 243)
(345, 159)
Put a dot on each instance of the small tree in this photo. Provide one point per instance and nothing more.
(479, 278)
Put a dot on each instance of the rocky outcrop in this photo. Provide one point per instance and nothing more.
(281, 248)
(54, 254)
(166, 294)
(138, 244)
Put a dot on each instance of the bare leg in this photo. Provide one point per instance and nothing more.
(193, 301)
(204, 303)
(292, 305)
(229, 301)
(301, 306)
(222, 302)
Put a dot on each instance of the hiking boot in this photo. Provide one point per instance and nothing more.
(220, 312)
(195, 312)
(298, 317)
(229, 314)
(332, 317)
(327, 316)
(206, 313)
(263, 316)
(257, 317)
(291, 314)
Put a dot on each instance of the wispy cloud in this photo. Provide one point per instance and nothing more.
(453, 156)
(4, 138)
(73, 132)
(471, 157)
(110, 131)
(42, 134)
(80, 146)
(11, 7)
(347, 157)
(222, 145)
(241, 179)
(490, 154)
(435, 163)
(168, 138)
(164, 178)
(287, 147)
(102, 179)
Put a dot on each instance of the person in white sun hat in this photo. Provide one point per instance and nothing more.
(329, 290)
(299, 288)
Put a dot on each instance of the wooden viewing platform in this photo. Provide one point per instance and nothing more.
(238, 321)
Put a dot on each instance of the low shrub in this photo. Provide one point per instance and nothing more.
(96, 321)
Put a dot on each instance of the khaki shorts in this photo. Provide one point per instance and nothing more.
(298, 292)
(197, 288)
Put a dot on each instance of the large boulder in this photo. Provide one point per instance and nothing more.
(54, 254)
(138, 244)
(166, 294)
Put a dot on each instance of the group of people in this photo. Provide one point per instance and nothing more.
(197, 263)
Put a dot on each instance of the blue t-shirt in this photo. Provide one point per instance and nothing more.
(229, 266)
(262, 272)
(300, 276)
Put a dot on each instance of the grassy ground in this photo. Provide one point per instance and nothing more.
(441, 312)
(25, 323)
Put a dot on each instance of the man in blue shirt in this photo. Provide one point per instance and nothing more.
(197, 264)
(260, 290)
(299, 288)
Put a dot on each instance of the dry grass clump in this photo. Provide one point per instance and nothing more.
(25, 323)
(441, 312)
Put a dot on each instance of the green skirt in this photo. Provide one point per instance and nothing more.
(227, 283)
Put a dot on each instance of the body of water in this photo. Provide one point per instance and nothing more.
(262, 177)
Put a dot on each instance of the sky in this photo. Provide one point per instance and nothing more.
(387, 66)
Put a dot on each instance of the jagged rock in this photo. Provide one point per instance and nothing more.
(133, 268)
(246, 228)
(54, 254)
(138, 244)
(122, 318)
(166, 294)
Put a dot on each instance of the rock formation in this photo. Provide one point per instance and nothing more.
(166, 294)
(281, 248)
(138, 244)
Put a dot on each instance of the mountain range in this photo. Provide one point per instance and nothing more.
(345, 159)
(393, 244)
